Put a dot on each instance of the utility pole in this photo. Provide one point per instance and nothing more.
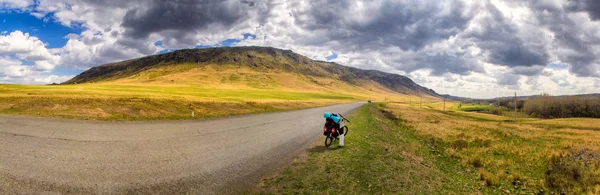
(516, 107)
(421, 102)
(444, 103)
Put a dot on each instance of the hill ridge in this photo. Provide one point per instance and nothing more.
(254, 57)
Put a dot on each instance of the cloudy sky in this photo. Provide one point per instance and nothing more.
(471, 48)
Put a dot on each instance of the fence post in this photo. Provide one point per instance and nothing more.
(444, 103)
(516, 107)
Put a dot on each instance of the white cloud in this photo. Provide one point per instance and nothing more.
(25, 46)
(52, 79)
(15, 4)
(102, 40)
(14, 71)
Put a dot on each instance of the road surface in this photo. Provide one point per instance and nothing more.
(199, 157)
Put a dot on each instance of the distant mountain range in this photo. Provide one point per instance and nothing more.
(518, 97)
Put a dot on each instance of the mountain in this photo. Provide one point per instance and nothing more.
(456, 98)
(448, 96)
(257, 59)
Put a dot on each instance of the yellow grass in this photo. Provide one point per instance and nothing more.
(174, 92)
(531, 156)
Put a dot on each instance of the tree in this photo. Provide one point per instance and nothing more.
(546, 106)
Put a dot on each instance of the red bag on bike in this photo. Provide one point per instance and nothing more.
(329, 127)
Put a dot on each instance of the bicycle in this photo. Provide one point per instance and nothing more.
(333, 135)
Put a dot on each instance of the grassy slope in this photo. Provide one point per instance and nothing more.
(173, 92)
(432, 152)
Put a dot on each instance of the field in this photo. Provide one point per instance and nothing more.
(174, 92)
(382, 156)
(473, 107)
(399, 148)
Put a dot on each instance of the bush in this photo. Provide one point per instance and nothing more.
(496, 111)
(573, 173)
(476, 162)
(489, 178)
(547, 106)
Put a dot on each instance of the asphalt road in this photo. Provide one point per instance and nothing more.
(217, 156)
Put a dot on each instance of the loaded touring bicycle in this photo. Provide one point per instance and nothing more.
(334, 128)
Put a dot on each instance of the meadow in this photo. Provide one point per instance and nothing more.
(532, 155)
(420, 149)
(174, 92)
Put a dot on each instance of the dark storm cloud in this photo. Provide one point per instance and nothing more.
(569, 34)
(439, 63)
(185, 16)
(448, 63)
(408, 25)
(499, 39)
(140, 46)
(527, 71)
(508, 79)
(400, 24)
(592, 7)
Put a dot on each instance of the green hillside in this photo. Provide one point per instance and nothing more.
(206, 82)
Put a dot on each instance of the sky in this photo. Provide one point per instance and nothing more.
(468, 48)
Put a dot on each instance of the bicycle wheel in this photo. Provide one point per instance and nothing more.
(328, 141)
(345, 130)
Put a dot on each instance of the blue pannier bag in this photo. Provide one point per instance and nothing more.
(333, 117)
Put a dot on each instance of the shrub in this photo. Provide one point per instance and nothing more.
(489, 178)
(571, 173)
(547, 106)
(476, 162)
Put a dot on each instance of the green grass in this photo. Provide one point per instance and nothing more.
(473, 107)
(410, 150)
(382, 156)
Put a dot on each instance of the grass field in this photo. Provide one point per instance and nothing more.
(532, 156)
(473, 107)
(382, 155)
(174, 92)
(428, 151)
(131, 102)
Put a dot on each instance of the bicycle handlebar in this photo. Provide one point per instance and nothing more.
(344, 117)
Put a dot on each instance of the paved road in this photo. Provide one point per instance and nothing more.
(198, 157)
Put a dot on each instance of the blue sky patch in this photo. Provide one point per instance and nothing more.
(228, 42)
(331, 57)
(558, 66)
(66, 71)
(224, 43)
(50, 32)
(248, 35)
(27, 62)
